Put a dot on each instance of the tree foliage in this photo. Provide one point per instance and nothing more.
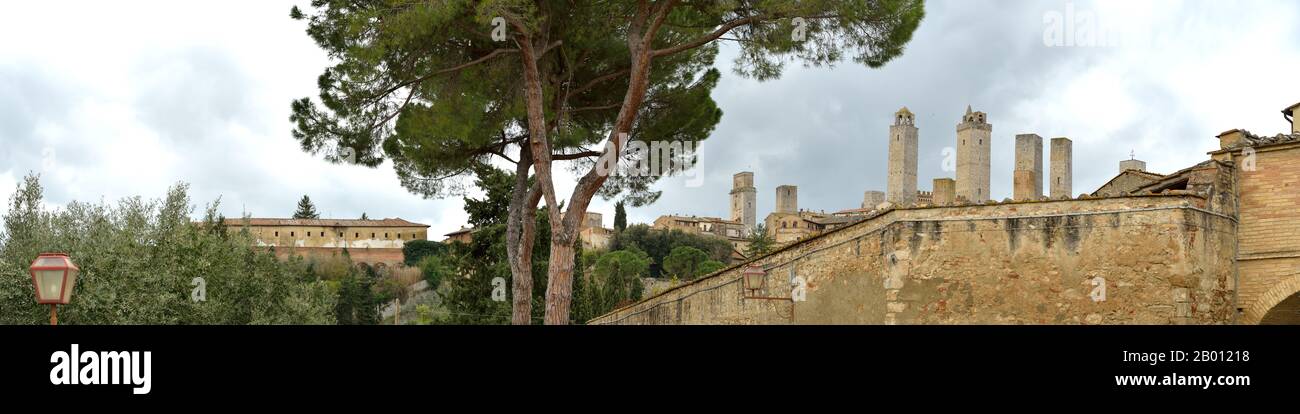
(684, 262)
(615, 281)
(414, 251)
(658, 244)
(760, 243)
(140, 261)
(620, 217)
(306, 210)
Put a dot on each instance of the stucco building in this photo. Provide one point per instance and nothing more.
(367, 241)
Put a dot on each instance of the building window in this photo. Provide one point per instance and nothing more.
(340, 234)
(356, 235)
(385, 235)
(277, 234)
(372, 235)
(291, 234)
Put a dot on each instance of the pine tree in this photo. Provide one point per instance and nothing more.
(438, 112)
(620, 217)
(306, 210)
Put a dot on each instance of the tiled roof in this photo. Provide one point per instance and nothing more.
(702, 219)
(288, 222)
(830, 220)
(461, 231)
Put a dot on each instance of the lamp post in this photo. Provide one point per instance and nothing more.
(54, 276)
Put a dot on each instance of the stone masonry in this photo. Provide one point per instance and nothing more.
(1028, 174)
(1042, 262)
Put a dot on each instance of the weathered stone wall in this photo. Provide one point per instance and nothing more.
(1164, 259)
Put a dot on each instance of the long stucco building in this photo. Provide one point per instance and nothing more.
(367, 241)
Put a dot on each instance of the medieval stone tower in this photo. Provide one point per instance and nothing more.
(973, 149)
(743, 195)
(787, 199)
(1027, 179)
(900, 187)
(1062, 167)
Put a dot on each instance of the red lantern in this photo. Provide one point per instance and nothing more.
(54, 276)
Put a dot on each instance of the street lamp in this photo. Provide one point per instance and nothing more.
(755, 279)
(54, 276)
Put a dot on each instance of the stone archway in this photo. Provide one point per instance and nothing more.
(1280, 305)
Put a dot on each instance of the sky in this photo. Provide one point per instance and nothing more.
(107, 101)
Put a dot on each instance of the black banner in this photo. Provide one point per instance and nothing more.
(203, 363)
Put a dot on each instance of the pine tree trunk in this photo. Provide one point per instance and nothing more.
(559, 284)
(520, 230)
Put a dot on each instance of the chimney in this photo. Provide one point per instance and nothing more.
(1231, 138)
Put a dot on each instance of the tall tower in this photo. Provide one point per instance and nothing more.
(1062, 167)
(743, 195)
(787, 199)
(973, 149)
(901, 185)
(1027, 178)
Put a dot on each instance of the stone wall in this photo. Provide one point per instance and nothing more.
(1163, 258)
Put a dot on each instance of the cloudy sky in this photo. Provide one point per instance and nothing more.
(106, 101)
